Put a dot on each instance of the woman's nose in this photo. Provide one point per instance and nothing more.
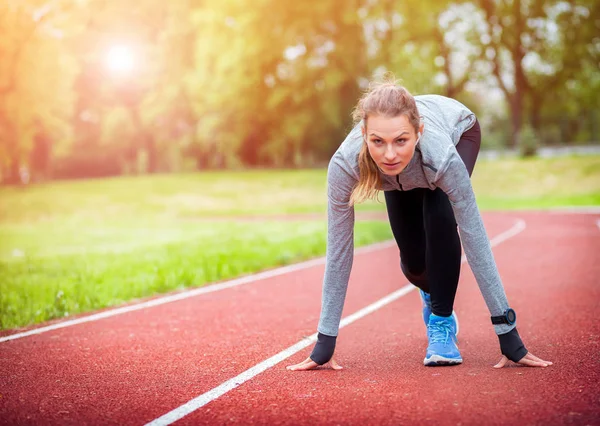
(390, 154)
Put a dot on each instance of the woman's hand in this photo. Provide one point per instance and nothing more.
(529, 360)
(321, 354)
(309, 364)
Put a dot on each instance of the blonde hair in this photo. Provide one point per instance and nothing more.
(388, 99)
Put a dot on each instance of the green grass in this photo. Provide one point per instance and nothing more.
(537, 183)
(71, 247)
(168, 197)
(43, 286)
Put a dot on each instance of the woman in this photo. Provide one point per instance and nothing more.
(421, 152)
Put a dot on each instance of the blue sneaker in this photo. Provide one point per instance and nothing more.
(426, 300)
(442, 349)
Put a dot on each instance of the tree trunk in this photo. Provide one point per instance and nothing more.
(516, 109)
(150, 145)
(535, 116)
(144, 140)
(520, 79)
(13, 177)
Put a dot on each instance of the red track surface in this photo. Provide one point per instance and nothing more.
(135, 367)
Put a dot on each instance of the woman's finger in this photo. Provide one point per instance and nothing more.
(335, 365)
(302, 364)
(528, 361)
(307, 364)
(502, 362)
(535, 358)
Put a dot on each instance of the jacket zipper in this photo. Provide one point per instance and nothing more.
(398, 180)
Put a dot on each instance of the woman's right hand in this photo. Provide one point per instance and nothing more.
(309, 364)
(321, 354)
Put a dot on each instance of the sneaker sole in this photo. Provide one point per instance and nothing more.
(436, 360)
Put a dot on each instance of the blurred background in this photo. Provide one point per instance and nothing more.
(151, 146)
(94, 88)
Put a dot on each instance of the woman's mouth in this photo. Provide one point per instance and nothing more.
(391, 165)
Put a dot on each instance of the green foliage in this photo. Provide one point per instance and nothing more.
(545, 60)
(70, 247)
(36, 72)
(528, 141)
(218, 84)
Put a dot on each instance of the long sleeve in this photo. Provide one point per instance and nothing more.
(454, 180)
(340, 246)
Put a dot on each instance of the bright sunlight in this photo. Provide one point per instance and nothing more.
(120, 59)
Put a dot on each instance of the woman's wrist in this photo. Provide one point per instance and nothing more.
(323, 350)
(512, 346)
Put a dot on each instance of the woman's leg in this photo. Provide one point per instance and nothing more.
(423, 224)
(424, 228)
(405, 212)
(442, 240)
(443, 251)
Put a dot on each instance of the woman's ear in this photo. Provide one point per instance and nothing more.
(364, 132)
(421, 127)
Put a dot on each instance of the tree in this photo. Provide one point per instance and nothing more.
(35, 77)
(537, 49)
(427, 44)
(564, 70)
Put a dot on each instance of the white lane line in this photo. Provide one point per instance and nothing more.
(518, 227)
(190, 293)
(201, 400)
(233, 383)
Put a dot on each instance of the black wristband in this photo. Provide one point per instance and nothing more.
(323, 350)
(512, 346)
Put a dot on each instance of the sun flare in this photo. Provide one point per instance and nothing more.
(119, 59)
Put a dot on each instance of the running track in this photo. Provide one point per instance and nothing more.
(142, 366)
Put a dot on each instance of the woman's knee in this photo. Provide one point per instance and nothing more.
(418, 279)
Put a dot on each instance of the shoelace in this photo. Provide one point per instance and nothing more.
(440, 333)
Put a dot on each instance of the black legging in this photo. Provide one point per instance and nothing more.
(425, 230)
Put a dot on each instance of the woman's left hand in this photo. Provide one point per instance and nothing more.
(529, 360)
(309, 364)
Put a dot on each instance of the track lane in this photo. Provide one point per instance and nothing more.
(133, 368)
(551, 275)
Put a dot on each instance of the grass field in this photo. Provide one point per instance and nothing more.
(71, 247)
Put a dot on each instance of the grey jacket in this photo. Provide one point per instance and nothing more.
(436, 164)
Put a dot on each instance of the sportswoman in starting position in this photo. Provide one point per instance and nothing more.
(420, 151)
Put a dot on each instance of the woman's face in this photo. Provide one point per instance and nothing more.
(391, 142)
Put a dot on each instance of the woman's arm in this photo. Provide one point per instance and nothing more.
(454, 180)
(338, 265)
(340, 246)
